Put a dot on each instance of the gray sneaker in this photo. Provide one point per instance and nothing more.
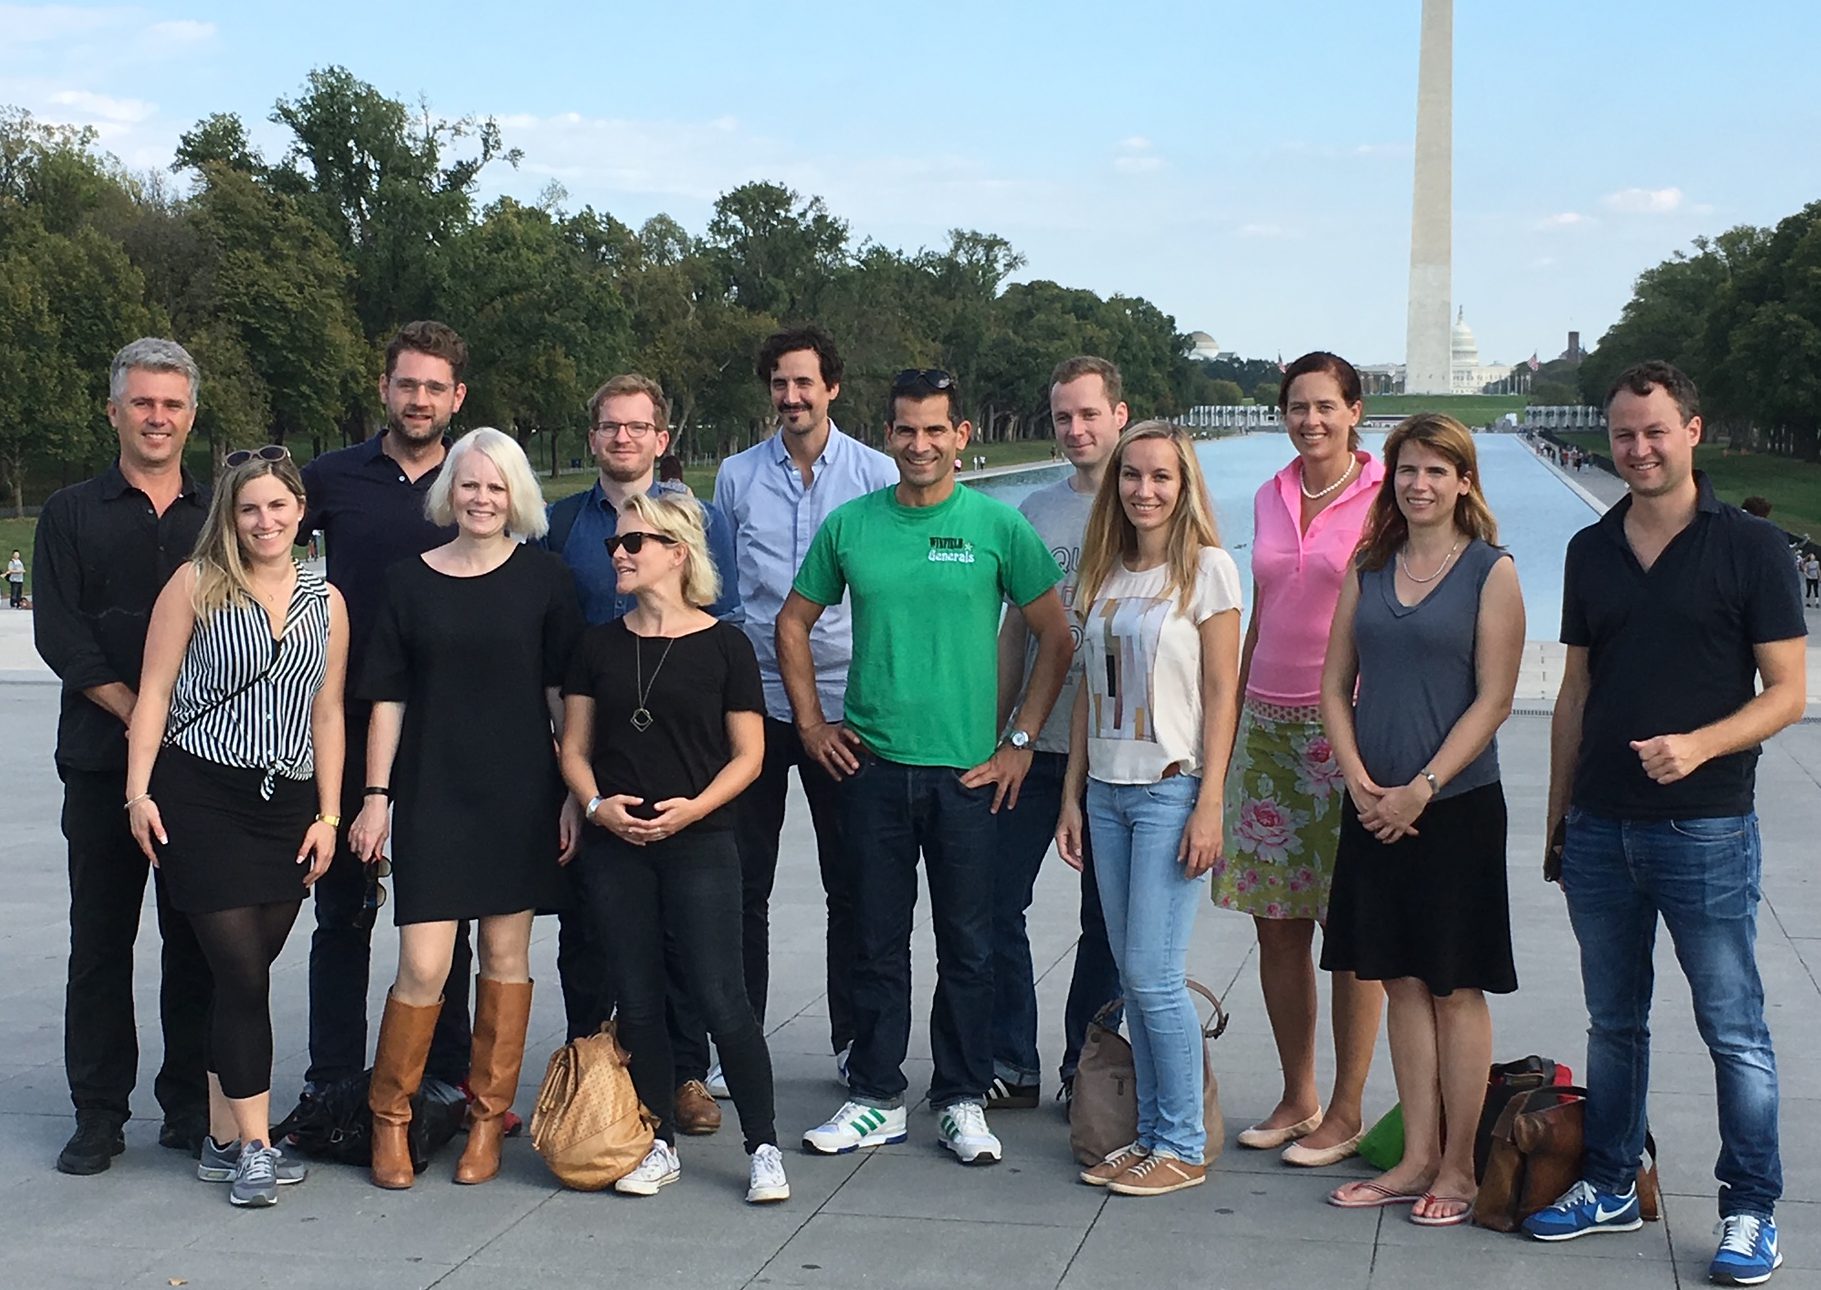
(255, 1176)
(216, 1164)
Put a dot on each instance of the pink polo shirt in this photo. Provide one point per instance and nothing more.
(1299, 577)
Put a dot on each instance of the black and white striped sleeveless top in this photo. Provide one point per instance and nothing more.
(265, 725)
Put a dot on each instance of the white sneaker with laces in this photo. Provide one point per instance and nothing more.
(962, 1127)
(659, 1168)
(717, 1083)
(857, 1125)
(767, 1184)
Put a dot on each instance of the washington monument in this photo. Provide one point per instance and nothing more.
(1427, 353)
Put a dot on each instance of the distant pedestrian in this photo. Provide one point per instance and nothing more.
(1811, 578)
(15, 580)
(670, 474)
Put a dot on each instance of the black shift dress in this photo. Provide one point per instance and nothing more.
(476, 790)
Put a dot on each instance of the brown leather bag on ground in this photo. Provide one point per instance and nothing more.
(1537, 1155)
(1103, 1113)
(589, 1125)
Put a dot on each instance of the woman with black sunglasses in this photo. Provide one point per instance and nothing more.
(236, 741)
(664, 726)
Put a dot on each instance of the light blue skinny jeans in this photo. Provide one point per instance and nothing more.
(1150, 912)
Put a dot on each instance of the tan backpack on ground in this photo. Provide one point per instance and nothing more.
(1103, 1113)
(589, 1125)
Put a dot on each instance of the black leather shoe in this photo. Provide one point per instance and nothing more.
(92, 1148)
(184, 1134)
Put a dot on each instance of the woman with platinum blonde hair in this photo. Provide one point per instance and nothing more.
(463, 670)
(665, 727)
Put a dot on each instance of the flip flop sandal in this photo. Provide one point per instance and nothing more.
(1448, 1220)
(1376, 1196)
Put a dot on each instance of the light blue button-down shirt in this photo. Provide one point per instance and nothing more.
(773, 517)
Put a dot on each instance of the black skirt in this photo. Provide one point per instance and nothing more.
(1433, 906)
(229, 847)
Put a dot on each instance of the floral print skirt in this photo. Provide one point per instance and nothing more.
(1282, 816)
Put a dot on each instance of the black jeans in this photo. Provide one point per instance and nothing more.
(899, 810)
(107, 890)
(761, 820)
(685, 890)
(340, 949)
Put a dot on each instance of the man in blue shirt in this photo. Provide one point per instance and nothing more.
(776, 495)
(629, 429)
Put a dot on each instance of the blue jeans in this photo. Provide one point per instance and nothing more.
(892, 812)
(1150, 912)
(1025, 834)
(1702, 877)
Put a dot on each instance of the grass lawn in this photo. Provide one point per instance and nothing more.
(1792, 487)
(1472, 410)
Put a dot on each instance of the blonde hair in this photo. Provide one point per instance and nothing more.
(679, 516)
(1110, 536)
(1386, 529)
(525, 515)
(221, 573)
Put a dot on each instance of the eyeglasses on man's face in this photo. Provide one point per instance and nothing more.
(633, 429)
(410, 387)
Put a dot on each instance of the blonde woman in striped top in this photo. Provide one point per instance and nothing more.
(234, 764)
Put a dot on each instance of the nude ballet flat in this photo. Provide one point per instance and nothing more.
(1259, 1138)
(1315, 1158)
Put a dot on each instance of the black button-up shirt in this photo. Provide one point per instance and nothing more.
(372, 515)
(1669, 650)
(102, 555)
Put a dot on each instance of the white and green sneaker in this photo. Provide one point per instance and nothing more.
(857, 1125)
(962, 1126)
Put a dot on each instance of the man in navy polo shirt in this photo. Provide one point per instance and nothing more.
(368, 500)
(1673, 606)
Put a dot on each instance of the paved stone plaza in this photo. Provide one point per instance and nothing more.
(905, 1215)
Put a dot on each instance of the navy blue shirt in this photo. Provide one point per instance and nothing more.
(581, 524)
(373, 516)
(1669, 650)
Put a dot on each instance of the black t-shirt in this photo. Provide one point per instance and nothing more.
(1670, 651)
(704, 676)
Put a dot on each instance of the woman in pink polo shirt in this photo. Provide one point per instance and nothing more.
(1284, 788)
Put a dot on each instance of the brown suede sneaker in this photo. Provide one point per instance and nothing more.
(1158, 1176)
(696, 1112)
(1103, 1173)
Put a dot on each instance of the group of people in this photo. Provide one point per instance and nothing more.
(592, 709)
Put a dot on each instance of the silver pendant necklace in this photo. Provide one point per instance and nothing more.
(1345, 475)
(641, 715)
(1404, 564)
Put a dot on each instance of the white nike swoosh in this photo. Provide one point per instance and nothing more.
(1601, 1215)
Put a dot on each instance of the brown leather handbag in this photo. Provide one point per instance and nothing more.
(1536, 1155)
(1103, 1112)
(589, 1125)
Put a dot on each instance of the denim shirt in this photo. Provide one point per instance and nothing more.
(773, 517)
(585, 552)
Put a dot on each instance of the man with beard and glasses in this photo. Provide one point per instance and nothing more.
(368, 500)
(629, 429)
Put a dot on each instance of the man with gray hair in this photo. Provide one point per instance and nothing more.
(105, 548)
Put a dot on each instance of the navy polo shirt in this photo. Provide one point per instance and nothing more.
(372, 515)
(1669, 650)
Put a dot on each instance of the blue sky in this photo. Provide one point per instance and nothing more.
(1245, 166)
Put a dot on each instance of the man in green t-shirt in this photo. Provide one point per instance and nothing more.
(927, 565)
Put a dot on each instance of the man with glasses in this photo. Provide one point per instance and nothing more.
(927, 565)
(368, 500)
(629, 429)
(776, 495)
(105, 549)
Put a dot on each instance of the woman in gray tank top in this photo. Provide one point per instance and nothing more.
(1421, 667)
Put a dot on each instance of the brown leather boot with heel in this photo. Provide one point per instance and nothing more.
(502, 1011)
(398, 1070)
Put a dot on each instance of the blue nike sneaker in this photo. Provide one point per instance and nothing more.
(1581, 1209)
(1748, 1251)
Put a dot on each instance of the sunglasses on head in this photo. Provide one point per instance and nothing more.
(633, 543)
(933, 378)
(271, 452)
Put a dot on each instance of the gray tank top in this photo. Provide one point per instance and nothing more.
(1416, 671)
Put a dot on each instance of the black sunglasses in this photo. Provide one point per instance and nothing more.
(271, 452)
(931, 377)
(633, 542)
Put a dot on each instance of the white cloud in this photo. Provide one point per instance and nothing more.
(1643, 201)
(104, 107)
(1262, 230)
(1137, 165)
(1565, 219)
(1136, 143)
(183, 31)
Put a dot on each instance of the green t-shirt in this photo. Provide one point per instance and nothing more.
(927, 584)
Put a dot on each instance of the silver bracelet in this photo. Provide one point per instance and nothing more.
(131, 802)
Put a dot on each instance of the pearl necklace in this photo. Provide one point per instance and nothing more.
(1345, 475)
(1405, 565)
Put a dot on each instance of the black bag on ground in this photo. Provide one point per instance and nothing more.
(335, 1123)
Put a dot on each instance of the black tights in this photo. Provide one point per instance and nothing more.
(240, 945)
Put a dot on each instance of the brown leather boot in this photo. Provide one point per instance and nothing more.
(696, 1113)
(502, 1011)
(398, 1069)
